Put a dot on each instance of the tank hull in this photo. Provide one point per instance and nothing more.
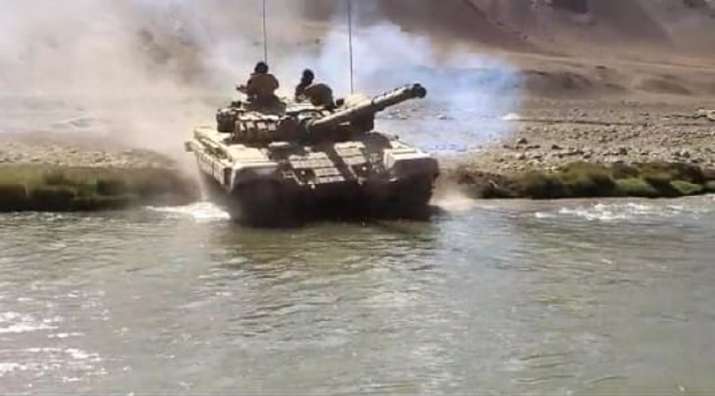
(270, 201)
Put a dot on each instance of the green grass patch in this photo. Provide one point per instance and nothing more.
(112, 186)
(686, 188)
(57, 177)
(44, 188)
(539, 185)
(622, 171)
(672, 171)
(636, 187)
(582, 180)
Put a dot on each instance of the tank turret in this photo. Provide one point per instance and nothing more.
(309, 122)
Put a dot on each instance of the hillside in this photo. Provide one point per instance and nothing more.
(684, 26)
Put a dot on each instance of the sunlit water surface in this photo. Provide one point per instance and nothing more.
(557, 298)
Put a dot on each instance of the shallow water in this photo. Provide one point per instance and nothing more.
(571, 297)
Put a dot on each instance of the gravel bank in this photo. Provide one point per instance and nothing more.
(67, 150)
(551, 134)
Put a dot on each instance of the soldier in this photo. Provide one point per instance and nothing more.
(320, 95)
(261, 86)
(305, 81)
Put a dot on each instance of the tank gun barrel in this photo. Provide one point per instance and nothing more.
(370, 107)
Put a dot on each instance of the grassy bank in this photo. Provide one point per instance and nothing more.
(47, 188)
(585, 180)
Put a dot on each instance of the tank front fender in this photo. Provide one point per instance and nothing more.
(245, 175)
(403, 165)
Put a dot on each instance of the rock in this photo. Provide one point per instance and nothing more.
(703, 113)
(683, 154)
(572, 152)
(622, 151)
(556, 147)
(522, 141)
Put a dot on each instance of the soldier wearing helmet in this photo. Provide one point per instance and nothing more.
(261, 86)
(320, 95)
(305, 81)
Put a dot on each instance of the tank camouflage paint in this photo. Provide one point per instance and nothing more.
(292, 159)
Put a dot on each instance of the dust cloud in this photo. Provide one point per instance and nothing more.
(143, 72)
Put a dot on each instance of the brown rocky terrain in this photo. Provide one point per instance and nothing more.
(76, 151)
(548, 134)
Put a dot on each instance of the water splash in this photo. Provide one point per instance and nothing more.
(628, 211)
(454, 201)
(202, 212)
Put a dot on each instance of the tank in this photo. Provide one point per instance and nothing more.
(293, 160)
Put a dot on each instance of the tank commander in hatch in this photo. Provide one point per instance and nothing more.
(305, 81)
(261, 86)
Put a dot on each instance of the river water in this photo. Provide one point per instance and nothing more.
(489, 298)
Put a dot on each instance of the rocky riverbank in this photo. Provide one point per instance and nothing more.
(549, 134)
(47, 173)
(587, 180)
(73, 150)
(587, 148)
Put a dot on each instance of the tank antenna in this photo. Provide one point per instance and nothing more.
(350, 45)
(265, 34)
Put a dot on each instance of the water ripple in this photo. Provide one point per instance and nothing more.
(512, 297)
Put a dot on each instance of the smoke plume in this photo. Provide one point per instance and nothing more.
(145, 71)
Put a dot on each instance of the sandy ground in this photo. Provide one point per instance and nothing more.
(76, 151)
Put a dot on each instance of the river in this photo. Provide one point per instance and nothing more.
(490, 298)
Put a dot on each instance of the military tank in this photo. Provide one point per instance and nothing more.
(298, 160)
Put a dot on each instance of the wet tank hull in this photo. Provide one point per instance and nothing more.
(375, 176)
(274, 204)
